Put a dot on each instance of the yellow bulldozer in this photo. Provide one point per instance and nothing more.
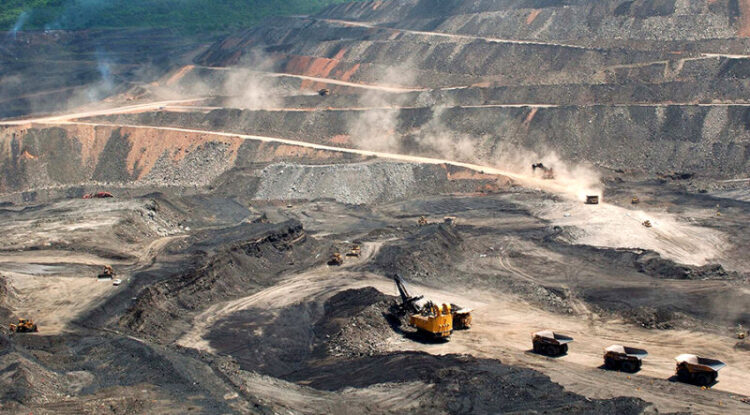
(24, 326)
(355, 251)
(336, 259)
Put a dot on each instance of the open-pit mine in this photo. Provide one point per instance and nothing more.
(400, 206)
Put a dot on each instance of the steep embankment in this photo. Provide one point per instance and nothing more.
(712, 140)
(220, 265)
(638, 86)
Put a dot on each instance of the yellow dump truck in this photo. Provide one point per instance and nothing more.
(549, 343)
(627, 359)
(461, 317)
(697, 370)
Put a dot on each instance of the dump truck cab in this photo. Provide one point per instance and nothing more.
(697, 370)
(549, 343)
(627, 359)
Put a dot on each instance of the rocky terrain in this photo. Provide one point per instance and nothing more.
(238, 165)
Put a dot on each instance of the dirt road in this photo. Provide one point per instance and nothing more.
(450, 35)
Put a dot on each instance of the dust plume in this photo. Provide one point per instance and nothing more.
(244, 86)
(576, 179)
(20, 22)
(437, 139)
(377, 129)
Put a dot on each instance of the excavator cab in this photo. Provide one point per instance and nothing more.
(434, 322)
(431, 320)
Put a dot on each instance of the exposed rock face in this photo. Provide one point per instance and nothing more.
(627, 85)
(247, 258)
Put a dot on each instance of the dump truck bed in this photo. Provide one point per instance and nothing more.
(701, 362)
(639, 354)
(554, 337)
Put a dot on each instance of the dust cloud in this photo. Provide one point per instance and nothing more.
(377, 129)
(380, 129)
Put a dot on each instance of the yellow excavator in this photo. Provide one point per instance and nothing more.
(433, 321)
(430, 319)
(24, 326)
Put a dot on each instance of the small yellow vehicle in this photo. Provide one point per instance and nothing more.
(24, 326)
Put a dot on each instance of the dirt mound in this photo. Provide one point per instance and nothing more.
(654, 265)
(278, 342)
(358, 183)
(429, 254)
(8, 296)
(39, 158)
(222, 264)
(25, 382)
(354, 323)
